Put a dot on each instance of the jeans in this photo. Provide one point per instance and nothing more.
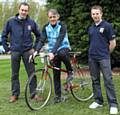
(105, 67)
(15, 65)
(62, 56)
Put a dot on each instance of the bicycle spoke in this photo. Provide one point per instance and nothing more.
(82, 87)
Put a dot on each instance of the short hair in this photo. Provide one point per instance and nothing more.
(54, 11)
(25, 4)
(97, 7)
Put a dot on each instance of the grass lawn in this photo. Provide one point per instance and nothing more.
(70, 107)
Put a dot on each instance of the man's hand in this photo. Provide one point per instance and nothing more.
(112, 45)
(31, 57)
(51, 56)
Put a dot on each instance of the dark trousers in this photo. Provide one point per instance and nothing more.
(105, 67)
(62, 56)
(15, 65)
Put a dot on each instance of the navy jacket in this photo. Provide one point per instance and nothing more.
(20, 34)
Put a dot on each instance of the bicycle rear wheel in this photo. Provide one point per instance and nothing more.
(81, 86)
(42, 90)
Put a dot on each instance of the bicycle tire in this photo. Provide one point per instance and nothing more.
(81, 86)
(43, 89)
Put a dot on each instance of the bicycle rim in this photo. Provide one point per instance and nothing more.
(43, 89)
(81, 87)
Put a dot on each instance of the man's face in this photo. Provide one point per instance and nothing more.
(23, 11)
(52, 18)
(96, 15)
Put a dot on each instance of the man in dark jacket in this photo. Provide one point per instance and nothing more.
(20, 28)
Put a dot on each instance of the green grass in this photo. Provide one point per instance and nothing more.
(70, 107)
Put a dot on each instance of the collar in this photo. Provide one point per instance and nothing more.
(19, 18)
(98, 23)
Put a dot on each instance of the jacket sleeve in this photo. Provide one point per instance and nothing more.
(37, 34)
(5, 33)
(60, 38)
(40, 39)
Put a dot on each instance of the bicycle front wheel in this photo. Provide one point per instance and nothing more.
(81, 87)
(42, 89)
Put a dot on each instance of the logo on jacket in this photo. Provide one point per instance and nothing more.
(29, 27)
(101, 30)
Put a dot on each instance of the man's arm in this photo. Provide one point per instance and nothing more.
(39, 43)
(112, 45)
(5, 33)
(42, 40)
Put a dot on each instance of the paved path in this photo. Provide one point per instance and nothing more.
(4, 57)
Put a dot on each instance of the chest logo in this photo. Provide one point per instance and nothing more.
(29, 27)
(101, 30)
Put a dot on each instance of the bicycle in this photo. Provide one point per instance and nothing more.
(80, 87)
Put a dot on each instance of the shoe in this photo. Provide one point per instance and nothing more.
(13, 99)
(69, 77)
(58, 99)
(113, 110)
(37, 98)
(95, 105)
